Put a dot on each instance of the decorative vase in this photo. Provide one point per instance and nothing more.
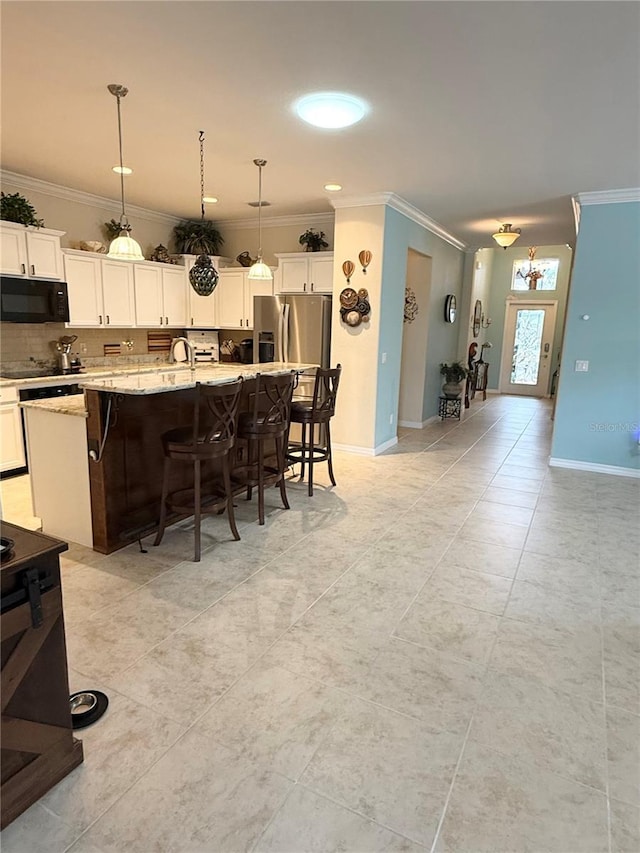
(452, 390)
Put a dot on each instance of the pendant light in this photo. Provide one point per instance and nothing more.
(260, 271)
(124, 247)
(203, 275)
(506, 236)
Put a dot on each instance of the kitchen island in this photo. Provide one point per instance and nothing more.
(126, 417)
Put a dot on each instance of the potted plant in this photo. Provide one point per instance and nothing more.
(313, 240)
(198, 237)
(113, 228)
(15, 208)
(454, 377)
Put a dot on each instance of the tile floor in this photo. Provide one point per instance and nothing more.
(441, 654)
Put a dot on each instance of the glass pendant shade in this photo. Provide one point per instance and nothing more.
(125, 248)
(260, 272)
(203, 276)
(506, 236)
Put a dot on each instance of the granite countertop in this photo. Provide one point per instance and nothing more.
(92, 372)
(175, 380)
(72, 405)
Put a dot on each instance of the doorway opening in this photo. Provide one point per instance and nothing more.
(527, 348)
(415, 330)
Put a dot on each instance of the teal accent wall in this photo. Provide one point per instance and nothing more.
(500, 289)
(400, 235)
(596, 412)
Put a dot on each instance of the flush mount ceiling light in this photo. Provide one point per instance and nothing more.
(506, 235)
(260, 271)
(124, 247)
(203, 276)
(330, 110)
(333, 188)
(210, 199)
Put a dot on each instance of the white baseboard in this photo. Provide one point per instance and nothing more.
(616, 470)
(366, 451)
(418, 424)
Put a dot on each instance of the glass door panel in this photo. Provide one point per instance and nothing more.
(525, 367)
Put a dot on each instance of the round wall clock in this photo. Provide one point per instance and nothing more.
(477, 318)
(450, 308)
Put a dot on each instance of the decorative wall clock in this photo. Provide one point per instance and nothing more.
(450, 306)
(477, 318)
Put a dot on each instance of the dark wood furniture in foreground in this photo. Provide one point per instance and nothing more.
(317, 411)
(38, 747)
(211, 436)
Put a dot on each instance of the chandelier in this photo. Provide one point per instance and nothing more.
(533, 276)
(506, 235)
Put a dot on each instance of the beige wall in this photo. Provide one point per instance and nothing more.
(275, 240)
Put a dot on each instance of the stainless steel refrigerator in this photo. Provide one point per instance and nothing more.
(292, 328)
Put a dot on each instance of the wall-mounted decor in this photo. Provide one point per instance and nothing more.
(348, 268)
(450, 306)
(477, 318)
(365, 259)
(354, 306)
(410, 305)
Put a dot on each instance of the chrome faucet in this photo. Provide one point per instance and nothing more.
(190, 349)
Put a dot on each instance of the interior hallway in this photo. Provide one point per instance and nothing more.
(439, 654)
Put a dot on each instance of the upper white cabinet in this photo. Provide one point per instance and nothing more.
(100, 290)
(160, 295)
(117, 293)
(234, 294)
(303, 272)
(30, 252)
(202, 310)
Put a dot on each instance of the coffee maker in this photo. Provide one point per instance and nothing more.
(66, 361)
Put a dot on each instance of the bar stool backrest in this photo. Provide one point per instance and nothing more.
(325, 391)
(216, 413)
(272, 399)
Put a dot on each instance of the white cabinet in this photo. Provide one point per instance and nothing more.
(203, 310)
(100, 290)
(30, 252)
(11, 443)
(234, 294)
(302, 272)
(160, 295)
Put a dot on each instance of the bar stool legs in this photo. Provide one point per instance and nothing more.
(329, 459)
(227, 487)
(163, 502)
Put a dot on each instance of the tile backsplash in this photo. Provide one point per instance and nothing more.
(22, 344)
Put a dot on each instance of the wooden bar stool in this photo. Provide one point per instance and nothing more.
(212, 435)
(268, 419)
(317, 410)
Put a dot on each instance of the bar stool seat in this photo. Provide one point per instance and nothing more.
(311, 412)
(268, 419)
(211, 436)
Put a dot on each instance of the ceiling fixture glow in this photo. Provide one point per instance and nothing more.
(122, 170)
(210, 199)
(203, 276)
(124, 247)
(330, 109)
(506, 236)
(260, 271)
(333, 188)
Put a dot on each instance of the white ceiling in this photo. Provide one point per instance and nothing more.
(481, 112)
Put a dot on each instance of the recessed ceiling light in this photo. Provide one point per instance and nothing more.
(333, 188)
(210, 199)
(125, 170)
(330, 109)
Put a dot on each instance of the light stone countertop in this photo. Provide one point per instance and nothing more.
(91, 372)
(176, 380)
(71, 405)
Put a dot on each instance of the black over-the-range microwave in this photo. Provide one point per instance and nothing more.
(33, 300)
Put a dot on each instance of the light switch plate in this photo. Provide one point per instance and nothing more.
(582, 366)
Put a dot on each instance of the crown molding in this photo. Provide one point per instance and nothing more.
(404, 207)
(609, 196)
(24, 182)
(300, 219)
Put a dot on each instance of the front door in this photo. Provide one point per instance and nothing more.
(527, 348)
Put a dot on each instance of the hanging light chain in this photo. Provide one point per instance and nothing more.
(202, 174)
(260, 163)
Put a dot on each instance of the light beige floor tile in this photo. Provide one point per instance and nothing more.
(274, 718)
(621, 642)
(118, 749)
(37, 831)
(569, 661)
(508, 535)
(523, 472)
(421, 682)
(483, 557)
(517, 484)
(556, 732)
(389, 768)
(455, 630)
(531, 602)
(625, 827)
(478, 590)
(509, 497)
(499, 803)
(198, 797)
(623, 752)
(499, 512)
(309, 823)
(555, 573)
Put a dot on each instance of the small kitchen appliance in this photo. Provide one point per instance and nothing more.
(206, 344)
(68, 362)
